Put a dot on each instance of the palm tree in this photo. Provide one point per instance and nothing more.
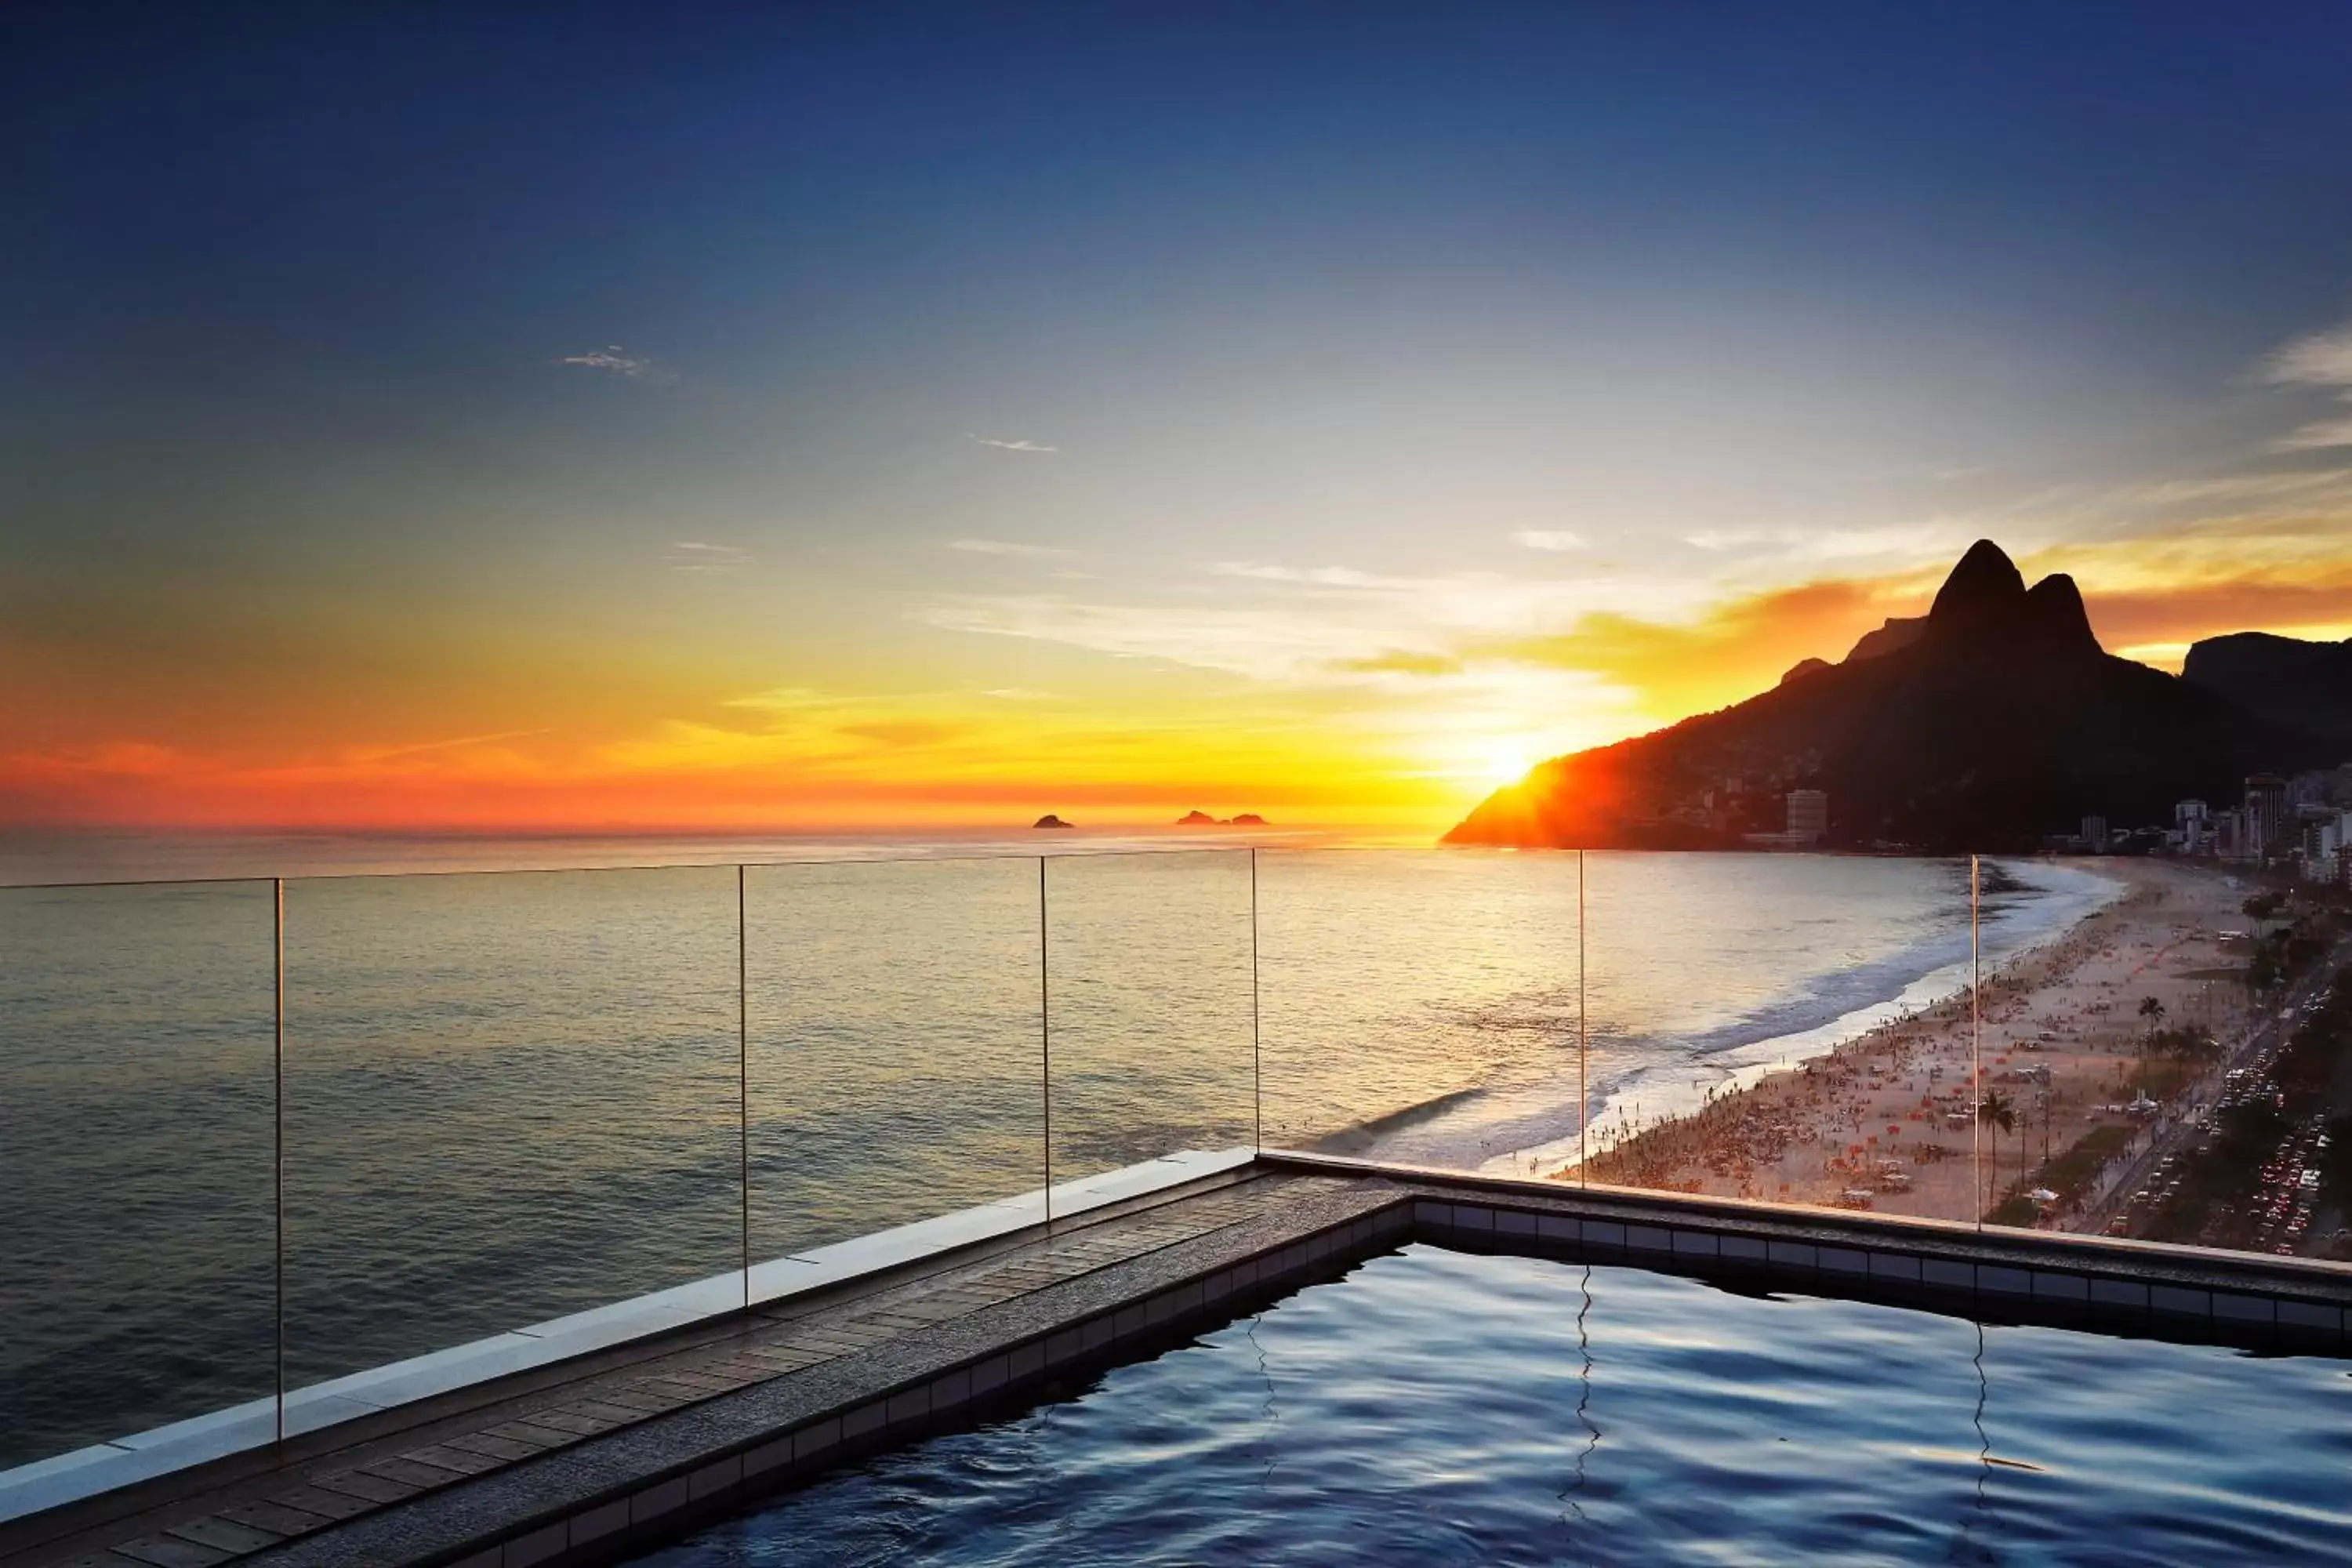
(1999, 1112)
(2153, 1011)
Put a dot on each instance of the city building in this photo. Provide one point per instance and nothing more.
(2230, 835)
(2095, 838)
(2265, 814)
(1809, 814)
(2325, 837)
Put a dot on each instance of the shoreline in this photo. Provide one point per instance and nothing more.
(1737, 1068)
(1881, 1119)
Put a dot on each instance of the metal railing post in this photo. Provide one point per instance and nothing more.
(278, 1134)
(743, 1074)
(1257, 1068)
(1976, 1043)
(1045, 1038)
(1583, 1041)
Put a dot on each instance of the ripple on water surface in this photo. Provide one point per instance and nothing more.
(1440, 1407)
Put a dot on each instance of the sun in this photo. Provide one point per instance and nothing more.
(1506, 760)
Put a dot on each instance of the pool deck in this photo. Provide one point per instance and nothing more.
(597, 1458)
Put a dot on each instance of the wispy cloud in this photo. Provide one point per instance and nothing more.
(1266, 643)
(1317, 626)
(1548, 538)
(2301, 484)
(615, 360)
(1310, 577)
(1036, 446)
(2317, 436)
(693, 555)
(1404, 661)
(388, 753)
(1010, 547)
(2320, 358)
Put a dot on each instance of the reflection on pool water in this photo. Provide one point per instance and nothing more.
(1440, 1407)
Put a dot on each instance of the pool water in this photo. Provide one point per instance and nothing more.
(1438, 1407)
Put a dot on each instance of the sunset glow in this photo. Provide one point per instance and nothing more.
(1257, 448)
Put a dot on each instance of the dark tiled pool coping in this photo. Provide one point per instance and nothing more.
(595, 1481)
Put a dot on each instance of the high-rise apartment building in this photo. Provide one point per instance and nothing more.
(1809, 813)
(2265, 814)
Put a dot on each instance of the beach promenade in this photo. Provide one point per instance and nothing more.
(1885, 1120)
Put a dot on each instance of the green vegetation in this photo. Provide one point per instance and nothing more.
(2161, 1078)
(2070, 1173)
(2283, 956)
(2016, 1210)
(1998, 1111)
(2187, 1044)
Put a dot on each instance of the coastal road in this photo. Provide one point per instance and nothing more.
(2173, 1134)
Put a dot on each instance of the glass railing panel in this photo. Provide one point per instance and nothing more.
(509, 1097)
(1786, 1028)
(2221, 1021)
(136, 1273)
(893, 1047)
(1421, 1006)
(1150, 986)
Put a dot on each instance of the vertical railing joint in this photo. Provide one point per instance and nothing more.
(1045, 1037)
(1257, 1066)
(743, 1075)
(1976, 1041)
(277, 1135)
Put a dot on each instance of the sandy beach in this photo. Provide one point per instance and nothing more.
(1883, 1121)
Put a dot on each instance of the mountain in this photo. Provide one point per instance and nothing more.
(1900, 631)
(1994, 720)
(2283, 679)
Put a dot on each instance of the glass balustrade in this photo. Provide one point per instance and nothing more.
(1150, 1003)
(896, 1068)
(509, 1099)
(137, 1252)
(524, 1114)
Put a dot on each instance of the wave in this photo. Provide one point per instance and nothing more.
(1514, 1127)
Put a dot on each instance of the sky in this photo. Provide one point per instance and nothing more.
(872, 416)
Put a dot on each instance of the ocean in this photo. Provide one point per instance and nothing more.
(510, 1094)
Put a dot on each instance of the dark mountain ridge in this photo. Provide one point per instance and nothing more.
(2286, 679)
(1997, 721)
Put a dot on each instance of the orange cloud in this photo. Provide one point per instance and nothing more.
(1733, 651)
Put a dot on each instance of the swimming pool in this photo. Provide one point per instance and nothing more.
(1438, 1407)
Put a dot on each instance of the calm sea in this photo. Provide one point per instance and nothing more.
(509, 1095)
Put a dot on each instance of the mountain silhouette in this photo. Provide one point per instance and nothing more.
(1991, 721)
(2283, 679)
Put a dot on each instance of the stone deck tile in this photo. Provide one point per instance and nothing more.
(716, 1434)
(727, 1364)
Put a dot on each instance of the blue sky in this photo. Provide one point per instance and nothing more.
(485, 371)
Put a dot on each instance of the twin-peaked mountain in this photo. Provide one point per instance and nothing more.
(1990, 722)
